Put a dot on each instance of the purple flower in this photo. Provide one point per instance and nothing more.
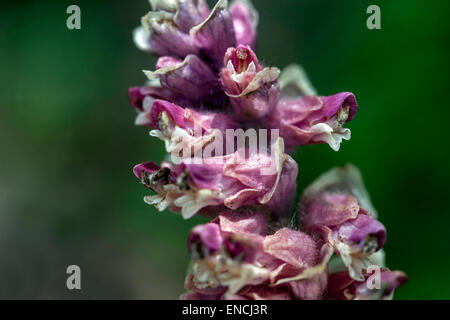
(184, 131)
(216, 34)
(245, 22)
(231, 181)
(294, 83)
(314, 119)
(191, 79)
(233, 257)
(343, 287)
(179, 28)
(253, 90)
(336, 206)
(205, 98)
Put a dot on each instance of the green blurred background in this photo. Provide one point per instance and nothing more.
(68, 143)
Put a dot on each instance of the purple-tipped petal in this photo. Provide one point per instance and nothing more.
(311, 119)
(331, 207)
(341, 286)
(245, 22)
(253, 91)
(161, 36)
(332, 105)
(364, 232)
(204, 240)
(293, 247)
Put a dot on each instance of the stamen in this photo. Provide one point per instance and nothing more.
(165, 123)
(370, 243)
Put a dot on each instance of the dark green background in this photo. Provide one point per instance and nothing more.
(68, 143)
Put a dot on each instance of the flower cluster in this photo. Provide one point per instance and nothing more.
(207, 93)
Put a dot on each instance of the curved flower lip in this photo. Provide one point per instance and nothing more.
(245, 21)
(176, 113)
(241, 58)
(331, 210)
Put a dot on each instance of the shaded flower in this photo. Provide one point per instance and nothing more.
(143, 97)
(187, 132)
(314, 119)
(341, 286)
(232, 181)
(253, 90)
(233, 257)
(191, 78)
(216, 33)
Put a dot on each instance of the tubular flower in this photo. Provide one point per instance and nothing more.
(228, 123)
(233, 257)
